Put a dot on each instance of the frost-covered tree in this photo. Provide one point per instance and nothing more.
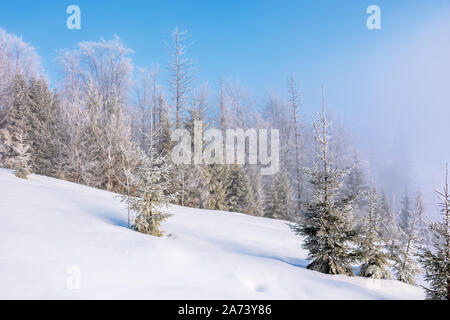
(422, 229)
(241, 106)
(44, 135)
(326, 224)
(276, 115)
(33, 127)
(406, 213)
(105, 65)
(384, 213)
(147, 103)
(21, 159)
(435, 259)
(196, 176)
(5, 144)
(392, 232)
(356, 179)
(99, 135)
(18, 127)
(356, 184)
(405, 263)
(95, 86)
(180, 73)
(237, 186)
(371, 246)
(217, 187)
(223, 106)
(128, 179)
(164, 126)
(71, 164)
(150, 182)
(116, 135)
(180, 87)
(16, 57)
(91, 154)
(280, 200)
(294, 104)
(257, 198)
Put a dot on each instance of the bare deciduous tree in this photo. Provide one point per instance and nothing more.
(180, 73)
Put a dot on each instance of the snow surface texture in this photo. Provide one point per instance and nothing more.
(60, 240)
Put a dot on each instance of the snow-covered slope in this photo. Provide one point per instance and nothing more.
(50, 229)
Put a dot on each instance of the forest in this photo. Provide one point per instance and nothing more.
(110, 125)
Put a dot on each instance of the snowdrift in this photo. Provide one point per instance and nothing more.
(60, 240)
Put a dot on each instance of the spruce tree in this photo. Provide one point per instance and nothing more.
(405, 213)
(20, 150)
(149, 199)
(128, 179)
(391, 232)
(237, 198)
(355, 184)
(117, 139)
(435, 259)
(44, 124)
(196, 176)
(371, 249)
(294, 104)
(5, 144)
(18, 126)
(422, 229)
(256, 191)
(405, 264)
(327, 225)
(92, 164)
(280, 203)
(164, 143)
(217, 191)
(384, 214)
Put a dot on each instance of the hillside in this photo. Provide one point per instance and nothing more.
(48, 226)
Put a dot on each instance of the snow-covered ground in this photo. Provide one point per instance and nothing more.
(55, 235)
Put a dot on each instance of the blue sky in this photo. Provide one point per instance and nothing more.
(255, 41)
(391, 86)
